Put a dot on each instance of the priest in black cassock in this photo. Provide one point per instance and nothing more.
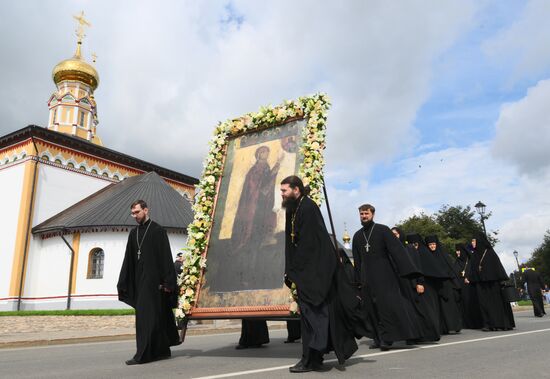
(380, 260)
(147, 282)
(535, 284)
(487, 274)
(311, 264)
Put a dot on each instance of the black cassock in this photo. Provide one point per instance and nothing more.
(486, 274)
(535, 284)
(449, 295)
(426, 311)
(139, 285)
(311, 263)
(471, 313)
(379, 270)
(253, 333)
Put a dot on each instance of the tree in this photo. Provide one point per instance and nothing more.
(460, 223)
(452, 225)
(540, 258)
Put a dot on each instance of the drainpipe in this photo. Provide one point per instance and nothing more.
(70, 271)
(29, 219)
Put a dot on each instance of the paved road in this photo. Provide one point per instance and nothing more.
(472, 354)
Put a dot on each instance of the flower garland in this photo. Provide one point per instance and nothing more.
(312, 108)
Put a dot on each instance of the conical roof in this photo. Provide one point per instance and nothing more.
(110, 207)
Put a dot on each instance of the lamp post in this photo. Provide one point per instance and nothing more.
(517, 262)
(516, 256)
(480, 207)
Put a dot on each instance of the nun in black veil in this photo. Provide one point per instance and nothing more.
(487, 274)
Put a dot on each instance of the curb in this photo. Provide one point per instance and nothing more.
(117, 337)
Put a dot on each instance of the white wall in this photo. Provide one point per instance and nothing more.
(48, 272)
(58, 189)
(11, 186)
(47, 276)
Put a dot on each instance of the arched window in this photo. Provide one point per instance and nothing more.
(95, 263)
(45, 157)
(58, 161)
(94, 171)
(70, 164)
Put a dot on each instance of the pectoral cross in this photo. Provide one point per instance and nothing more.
(139, 254)
(292, 235)
(367, 247)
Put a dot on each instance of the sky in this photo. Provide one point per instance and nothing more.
(433, 102)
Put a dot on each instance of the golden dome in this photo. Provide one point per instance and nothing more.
(76, 68)
(346, 238)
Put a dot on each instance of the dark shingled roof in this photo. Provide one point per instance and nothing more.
(110, 207)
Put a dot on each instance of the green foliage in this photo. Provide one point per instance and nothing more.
(76, 312)
(540, 258)
(460, 223)
(452, 224)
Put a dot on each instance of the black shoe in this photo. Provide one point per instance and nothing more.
(300, 367)
(485, 329)
(290, 341)
(385, 346)
(131, 362)
(374, 345)
(241, 347)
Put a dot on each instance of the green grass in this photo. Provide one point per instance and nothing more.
(79, 312)
(525, 302)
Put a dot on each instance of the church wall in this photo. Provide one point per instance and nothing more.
(11, 183)
(49, 267)
(58, 189)
(99, 293)
(47, 275)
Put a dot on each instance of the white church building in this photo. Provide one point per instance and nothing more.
(66, 201)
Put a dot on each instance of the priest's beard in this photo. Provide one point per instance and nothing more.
(366, 224)
(289, 203)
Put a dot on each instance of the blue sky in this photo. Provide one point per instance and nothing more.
(434, 102)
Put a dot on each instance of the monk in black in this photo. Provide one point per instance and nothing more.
(486, 274)
(471, 313)
(535, 284)
(254, 333)
(415, 290)
(147, 282)
(448, 286)
(380, 260)
(311, 264)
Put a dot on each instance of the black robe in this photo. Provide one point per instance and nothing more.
(449, 295)
(311, 263)
(253, 333)
(535, 284)
(426, 311)
(471, 312)
(139, 285)
(486, 273)
(378, 271)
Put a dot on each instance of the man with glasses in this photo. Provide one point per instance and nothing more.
(147, 282)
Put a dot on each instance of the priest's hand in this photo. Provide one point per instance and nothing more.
(288, 283)
(164, 288)
(466, 281)
(419, 289)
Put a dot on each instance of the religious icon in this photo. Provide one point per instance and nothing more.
(246, 248)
